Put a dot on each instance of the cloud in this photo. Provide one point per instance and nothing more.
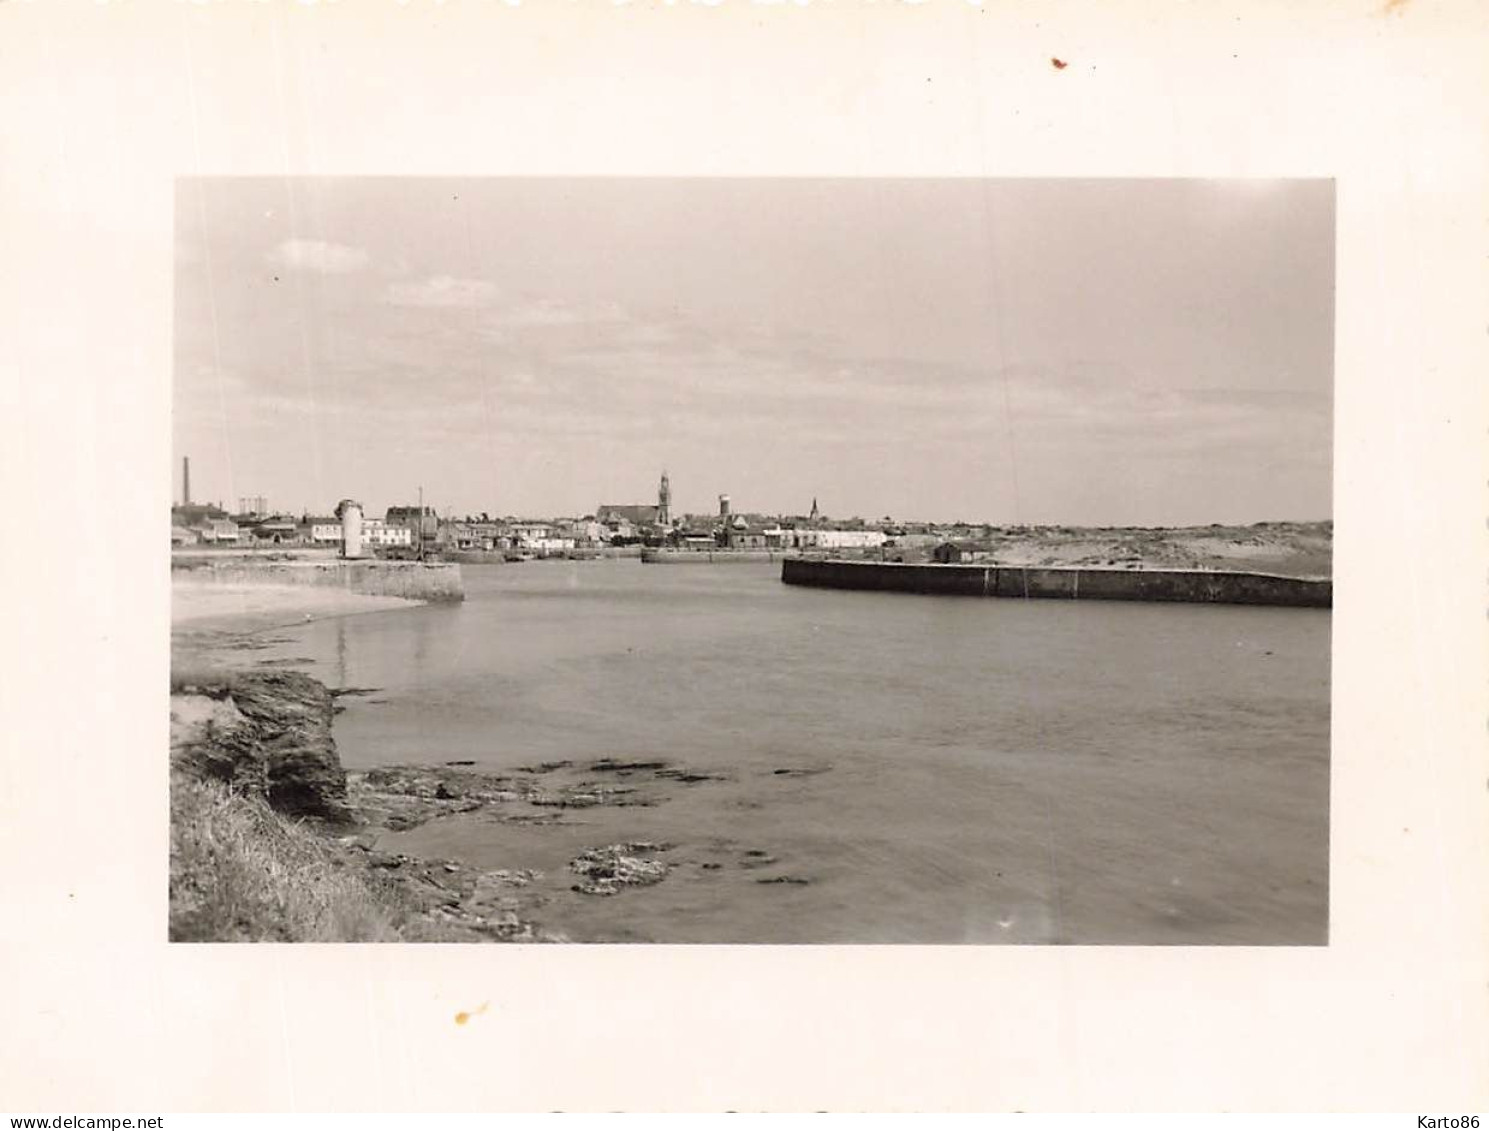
(549, 312)
(442, 291)
(319, 256)
(507, 315)
(451, 356)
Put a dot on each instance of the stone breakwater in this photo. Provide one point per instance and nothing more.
(1201, 586)
(413, 581)
(654, 556)
(515, 557)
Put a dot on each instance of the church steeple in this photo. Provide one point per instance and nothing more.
(816, 514)
(664, 501)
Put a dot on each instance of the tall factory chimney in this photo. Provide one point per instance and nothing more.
(186, 481)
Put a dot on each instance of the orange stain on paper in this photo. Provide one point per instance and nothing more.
(462, 1017)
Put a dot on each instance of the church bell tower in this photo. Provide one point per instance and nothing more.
(664, 502)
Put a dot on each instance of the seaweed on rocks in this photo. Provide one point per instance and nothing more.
(608, 869)
(404, 797)
(463, 902)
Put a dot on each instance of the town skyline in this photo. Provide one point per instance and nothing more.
(263, 505)
(1006, 352)
(266, 507)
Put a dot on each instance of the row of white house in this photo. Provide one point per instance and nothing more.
(319, 532)
(375, 532)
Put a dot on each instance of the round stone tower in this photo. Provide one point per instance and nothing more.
(350, 513)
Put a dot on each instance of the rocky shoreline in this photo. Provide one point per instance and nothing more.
(265, 736)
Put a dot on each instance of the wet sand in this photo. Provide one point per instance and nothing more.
(203, 606)
(214, 622)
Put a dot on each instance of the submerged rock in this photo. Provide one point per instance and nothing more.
(688, 777)
(799, 771)
(660, 770)
(567, 800)
(613, 766)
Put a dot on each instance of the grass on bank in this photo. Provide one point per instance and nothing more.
(199, 676)
(242, 873)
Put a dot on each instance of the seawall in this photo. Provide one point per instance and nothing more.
(1202, 586)
(709, 557)
(499, 557)
(413, 581)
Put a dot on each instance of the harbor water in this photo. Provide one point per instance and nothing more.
(868, 767)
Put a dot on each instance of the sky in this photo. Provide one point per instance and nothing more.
(1086, 352)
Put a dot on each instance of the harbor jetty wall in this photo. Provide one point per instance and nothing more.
(709, 557)
(505, 557)
(1068, 583)
(413, 581)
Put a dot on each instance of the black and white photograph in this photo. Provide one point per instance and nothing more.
(750, 556)
(707, 560)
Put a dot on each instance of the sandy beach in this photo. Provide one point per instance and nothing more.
(210, 621)
(214, 606)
